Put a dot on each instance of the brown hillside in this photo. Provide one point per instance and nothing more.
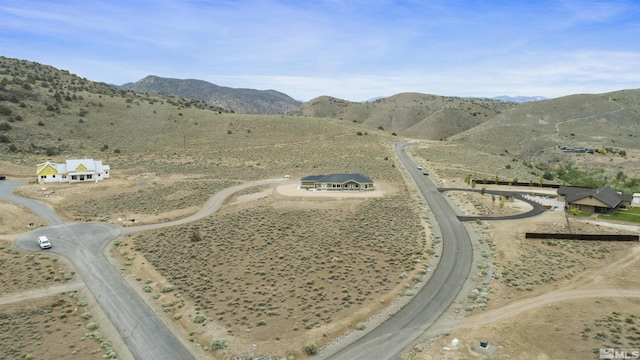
(538, 130)
(409, 114)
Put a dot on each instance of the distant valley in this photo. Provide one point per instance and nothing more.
(519, 99)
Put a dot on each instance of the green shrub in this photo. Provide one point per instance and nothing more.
(195, 236)
(361, 326)
(217, 344)
(311, 349)
(199, 319)
(5, 110)
(92, 326)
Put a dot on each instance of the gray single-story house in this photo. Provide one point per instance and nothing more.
(341, 182)
(601, 200)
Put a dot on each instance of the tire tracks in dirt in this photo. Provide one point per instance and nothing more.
(40, 292)
(513, 309)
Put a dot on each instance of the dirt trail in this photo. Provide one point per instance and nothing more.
(40, 292)
(521, 306)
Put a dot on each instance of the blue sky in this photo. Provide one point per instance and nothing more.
(354, 50)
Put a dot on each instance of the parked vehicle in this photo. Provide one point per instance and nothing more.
(44, 242)
(419, 167)
(2, 177)
(425, 173)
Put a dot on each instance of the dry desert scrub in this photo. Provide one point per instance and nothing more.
(21, 271)
(617, 330)
(551, 261)
(184, 177)
(54, 327)
(274, 270)
(143, 197)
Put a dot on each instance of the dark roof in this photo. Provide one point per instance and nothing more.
(570, 190)
(610, 197)
(338, 178)
(312, 178)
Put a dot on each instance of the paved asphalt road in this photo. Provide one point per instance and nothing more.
(83, 244)
(42, 210)
(148, 338)
(536, 208)
(396, 334)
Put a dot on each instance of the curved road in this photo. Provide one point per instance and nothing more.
(388, 340)
(83, 244)
(536, 209)
(148, 338)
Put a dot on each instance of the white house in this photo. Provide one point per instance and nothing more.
(77, 170)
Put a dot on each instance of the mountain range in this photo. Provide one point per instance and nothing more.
(39, 104)
(242, 101)
(519, 99)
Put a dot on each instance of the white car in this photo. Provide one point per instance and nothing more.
(44, 242)
(419, 167)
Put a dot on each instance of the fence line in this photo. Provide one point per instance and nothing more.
(589, 237)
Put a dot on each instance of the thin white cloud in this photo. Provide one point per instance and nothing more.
(350, 49)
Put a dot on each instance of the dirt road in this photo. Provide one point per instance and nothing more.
(521, 306)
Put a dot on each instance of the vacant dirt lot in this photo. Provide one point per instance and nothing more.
(542, 299)
(280, 268)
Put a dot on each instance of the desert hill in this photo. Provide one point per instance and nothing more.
(535, 131)
(241, 101)
(51, 114)
(48, 113)
(413, 115)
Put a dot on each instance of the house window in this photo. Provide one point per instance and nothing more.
(43, 176)
(89, 176)
(73, 177)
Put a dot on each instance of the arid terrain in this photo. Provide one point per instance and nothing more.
(257, 275)
(539, 299)
(278, 271)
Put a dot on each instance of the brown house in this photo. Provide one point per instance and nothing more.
(599, 201)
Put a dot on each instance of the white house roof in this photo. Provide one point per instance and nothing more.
(71, 166)
(89, 164)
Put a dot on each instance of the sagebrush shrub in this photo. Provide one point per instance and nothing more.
(311, 349)
(217, 344)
